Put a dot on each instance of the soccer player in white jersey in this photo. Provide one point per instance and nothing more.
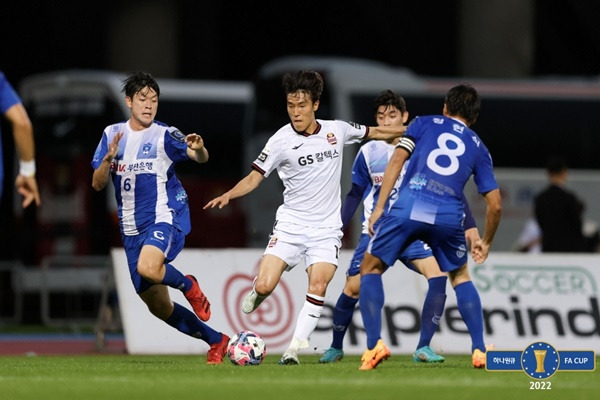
(367, 172)
(444, 153)
(139, 156)
(307, 154)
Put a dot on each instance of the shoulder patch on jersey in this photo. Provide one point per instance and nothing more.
(354, 124)
(264, 154)
(177, 135)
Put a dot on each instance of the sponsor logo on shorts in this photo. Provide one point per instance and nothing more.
(462, 250)
(272, 241)
(159, 235)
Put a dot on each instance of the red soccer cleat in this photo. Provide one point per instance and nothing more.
(217, 351)
(198, 300)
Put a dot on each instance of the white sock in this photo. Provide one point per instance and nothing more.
(307, 320)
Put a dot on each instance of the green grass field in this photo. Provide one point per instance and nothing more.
(188, 377)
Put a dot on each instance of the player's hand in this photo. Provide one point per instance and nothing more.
(471, 236)
(375, 215)
(28, 188)
(220, 201)
(113, 147)
(194, 141)
(479, 251)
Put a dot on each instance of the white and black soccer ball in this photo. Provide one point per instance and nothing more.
(246, 348)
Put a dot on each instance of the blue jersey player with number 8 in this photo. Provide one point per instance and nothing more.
(444, 153)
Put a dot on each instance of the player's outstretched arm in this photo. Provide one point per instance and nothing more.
(25, 181)
(243, 187)
(390, 176)
(385, 132)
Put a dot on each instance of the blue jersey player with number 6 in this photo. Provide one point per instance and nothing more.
(139, 156)
(444, 154)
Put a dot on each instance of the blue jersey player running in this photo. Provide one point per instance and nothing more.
(367, 173)
(444, 153)
(139, 156)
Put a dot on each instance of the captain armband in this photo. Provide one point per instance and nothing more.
(407, 143)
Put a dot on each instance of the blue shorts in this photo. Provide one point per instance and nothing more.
(448, 243)
(415, 251)
(165, 236)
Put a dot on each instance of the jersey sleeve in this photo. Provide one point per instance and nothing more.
(351, 203)
(483, 175)
(409, 140)
(101, 151)
(269, 158)
(8, 95)
(353, 132)
(360, 171)
(175, 145)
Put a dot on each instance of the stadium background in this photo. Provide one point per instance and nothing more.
(231, 40)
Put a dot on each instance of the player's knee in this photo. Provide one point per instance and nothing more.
(319, 288)
(262, 288)
(352, 287)
(459, 276)
(148, 273)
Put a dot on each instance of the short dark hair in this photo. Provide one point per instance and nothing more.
(389, 98)
(463, 101)
(137, 81)
(309, 82)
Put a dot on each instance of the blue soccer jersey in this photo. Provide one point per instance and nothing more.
(430, 204)
(367, 171)
(446, 154)
(8, 98)
(143, 174)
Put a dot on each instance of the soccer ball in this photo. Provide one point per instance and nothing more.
(246, 348)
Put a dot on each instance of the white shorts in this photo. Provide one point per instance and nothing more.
(294, 243)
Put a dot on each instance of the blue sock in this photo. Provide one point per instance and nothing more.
(469, 306)
(433, 308)
(371, 304)
(186, 321)
(175, 279)
(342, 315)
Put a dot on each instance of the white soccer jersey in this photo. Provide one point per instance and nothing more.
(310, 167)
(143, 174)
